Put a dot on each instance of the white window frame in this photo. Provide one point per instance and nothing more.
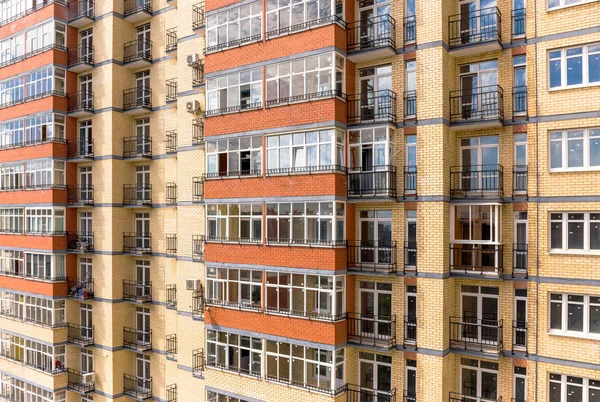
(587, 220)
(562, 137)
(563, 4)
(274, 11)
(44, 128)
(12, 133)
(12, 177)
(11, 220)
(45, 173)
(221, 281)
(44, 221)
(375, 360)
(215, 216)
(12, 49)
(495, 221)
(229, 20)
(586, 51)
(479, 371)
(234, 147)
(367, 137)
(12, 262)
(229, 85)
(564, 383)
(587, 304)
(255, 351)
(515, 376)
(45, 266)
(12, 91)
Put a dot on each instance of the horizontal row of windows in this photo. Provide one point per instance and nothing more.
(33, 265)
(37, 220)
(31, 130)
(32, 41)
(41, 173)
(50, 359)
(34, 85)
(45, 312)
(15, 389)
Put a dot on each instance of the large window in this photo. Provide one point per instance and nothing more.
(234, 92)
(11, 133)
(304, 366)
(475, 223)
(304, 79)
(213, 396)
(45, 312)
(234, 157)
(45, 266)
(306, 151)
(16, 389)
(574, 67)
(234, 26)
(282, 14)
(234, 287)
(42, 37)
(11, 10)
(575, 231)
(12, 49)
(552, 4)
(370, 149)
(45, 221)
(575, 149)
(35, 354)
(303, 295)
(306, 223)
(45, 173)
(572, 389)
(11, 177)
(12, 91)
(11, 262)
(11, 220)
(45, 82)
(233, 352)
(575, 314)
(234, 222)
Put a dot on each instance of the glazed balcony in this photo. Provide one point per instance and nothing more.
(475, 32)
(137, 387)
(477, 108)
(80, 58)
(80, 103)
(477, 260)
(371, 107)
(80, 289)
(137, 101)
(354, 393)
(137, 148)
(82, 336)
(520, 259)
(137, 54)
(477, 181)
(137, 10)
(137, 291)
(137, 340)
(372, 330)
(80, 150)
(82, 383)
(137, 243)
(372, 39)
(138, 195)
(80, 196)
(372, 256)
(373, 181)
(81, 13)
(80, 242)
(476, 335)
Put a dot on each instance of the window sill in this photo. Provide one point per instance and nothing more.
(575, 335)
(579, 86)
(549, 10)
(248, 308)
(227, 370)
(227, 46)
(306, 245)
(575, 170)
(595, 253)
(228, 177)
(305, 26)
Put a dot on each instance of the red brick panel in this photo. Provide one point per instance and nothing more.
(58, 103)
(36, 287)
(20, 197)
(24, 154)
(31, 63)
(49, 243)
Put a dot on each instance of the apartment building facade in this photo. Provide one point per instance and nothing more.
(325, 200)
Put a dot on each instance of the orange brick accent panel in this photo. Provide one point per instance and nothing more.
(34, 242)
(31, 63)
(40, 105)
(33, 197)
(24, 154)
(36, 287)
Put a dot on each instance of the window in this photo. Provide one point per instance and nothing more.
(11, 91)
(42, 37)
(572, 389)
(282, 14)
(411, 380)
(410, 96)
(45, 82)
(234, 92)
(11, 177)
(370, 149)
(36, 354)
(234, 222)
(45, 266)
(234, 287)
(44, 128)
(520, 384)
(305, 366)
(12, 49)
(479, 379)
(375, 375)
(11, 262)
(307, 151)
(576, 231)
(11, 220)
(575, 149)
(305, 79)
(234, 157)
(574, 67)
(45, 173)
(11, 10)
(213, 396)
(233, 27)
(575, 314)
(16, 389)
(45, 221)
(520, 85)
(11, 133)
(233, 352)
(552, 4)
(312, 296)
(475, 223)
(45, 311)
(306, 223)
(410, 250)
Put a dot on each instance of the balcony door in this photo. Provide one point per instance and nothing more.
(85, 46)
(142, 36)
(85, 269)
(86, 361)
(142, 277)
(370, 154)
(142, 183)
(520, 254)
(479, 314)
(85, 227)
(478, 20)
(85, 321)
(142, 326)
(479, 161)
(479, 90)
(142, 372)
(376, 237)
(85, 184)
(142, 86)
(85, 86)
(478, 380)
(376, 310)
(375, 93)
(375, 374)
(375, 27)
(142, 230)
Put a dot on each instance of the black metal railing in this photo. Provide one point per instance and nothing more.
(233, 43)
(476, 259)
(237, 173)
(410, 256)
(171, 296)
(372, 106)
(81, 242)
(171, 94)
(233, 109)
(477, 181)
(518, 24)
(80, 335)
(372, 33)
(80, 149)
(198, 362)
(410, 105)
(477, 104)
(136, 50)
(410, 30)
(520, 179)
(197, 189)
(80, 195)
(137, 243)
(374, 330)
(410, 180)
(373, 181)
(172, 393)
(80, 382)
(171, 40)
(457, 397)
(171, 193)
(137, 97)
(256, 306)
(482, 335)
(81, 54)
(137, 147)
(520, 258)
(137, 194)
(354, 393)
(171, 346)
(197, 74)
(519, 95)
(171, 244)
(137, 339)
(136, 6)
(330, 93)
(306, 169)
(80, 101)
(330, 19)
(137, 291)
(372, 256)
(519, 336)
(171, 141)
(410, 329)
(197, 132)
(198, 15)
(82, 289)
(198, 247)
(137, 387)
(473, 27)
(198, 304)
(81, 9)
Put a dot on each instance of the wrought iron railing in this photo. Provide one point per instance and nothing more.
(330, 93)
(410, 105)
(140, 97)
(410, 30)
(81, 54)
(198, 15)
(518, 23)
(136, 6)
(372, 181)
(81, 289)
(233, 43)
(410, 329)
(354, 393)
(410, 256)
(198, 304)
(80, 195)
(136, 50)
(520, 180)
(80, 335)
(520, 259)
(372, 33)
(171, 95)
(137, 387)
(137, 194)
(80, 101)
(81, 242)
(330, 19)
(473, 27)
(372, 256)
(374, 330)
(137, 147)
(233, 109)
(80, 149)
(476, 259)
(198, 247)
(80, 9)
(171, 346)
(197, 132)
(457, 397)
(171, 244)
(198, 362)
(372, 106)
(197, 189)
(171, 141)
(171, 193)
(477, 104)
(519, 335)
(410, 180)
(79, 382)
(477, 181)
(197, 74)
(172, 393)
(137, 339)
(137, 243)
(172, 296)
(171, 40)
(137, 291)
(482, 335)
(519, 95)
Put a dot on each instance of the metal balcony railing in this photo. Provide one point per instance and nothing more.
(198, 304)
(80, 101)
(410, 329)
(137, 98)
(477, 104)
(233, 109)
(197, 189)
(137, 194)
(136, 6)
(137, 291)
(137, 50)
(137, 147)
(171, 346)
(80, 149)
(286, 100)
(171, 95)
(410, 105)
(374, 330)
(171, 141)
(198, 362)
(81, 9)
(171, 193)
(520, 259)
(356, 393)
(81, 54)
(372, 256)
(171, 40)
(172, 393)
(171, 244)
(172, 296)
(137, 243)
(520, 179)
(330, 19)
(81, 289)
(198, 247)
(79, 382)
(197, 132)
(477, 181)
(410, 30)
(372, 106)
(519, 336)
(198, 15)
(410, 180)
(80, 242)
(372, 181)
(80, 195)
(137, 387)
(480, 335)
(137, 339)
(457, 397)
(518, 24)
(519, 95)
(410, 256)
(476, 259)
(372, 33)
(80, 335)
(197, 74)
(468, 28)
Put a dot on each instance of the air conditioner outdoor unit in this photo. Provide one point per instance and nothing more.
(192, 284)
(193, 59)
(192, 106)
(88, 378)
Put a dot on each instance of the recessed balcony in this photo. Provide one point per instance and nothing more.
(137, 243)
(137, 291)
(137, 195)
(80, 58)
(137, 101)
(475, 32)
(80, 150)
(80, 382)
(477, 108)
(137, 54)
(372, 256)
(137, 340)
(477, 181)
(81, 13)
(80, 196)
(372, 181)
(80, 335)
(80, 242)
(356, 393)
(137, 10)
(372, 107)
(372, 330)
(80, 289)
(372, 39)
(478, 260)
(137, 387)
(80, 104)
(476, 335)
(137, 148)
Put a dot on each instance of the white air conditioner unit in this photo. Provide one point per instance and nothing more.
(88, 378)
(192, 106)
(193, 59)
(193, 284)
